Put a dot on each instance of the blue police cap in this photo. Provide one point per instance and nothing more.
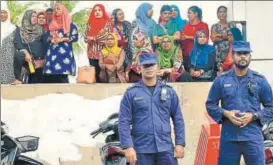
(147, 58)
(241, 46)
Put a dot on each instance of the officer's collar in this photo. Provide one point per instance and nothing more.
(249, 73)
(141, 83)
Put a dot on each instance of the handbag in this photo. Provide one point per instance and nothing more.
(38, 63)
(86, 74)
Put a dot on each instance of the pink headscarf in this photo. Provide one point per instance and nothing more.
(60, 22)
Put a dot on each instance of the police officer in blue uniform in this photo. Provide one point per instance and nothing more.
(144, 121)
(241, 92)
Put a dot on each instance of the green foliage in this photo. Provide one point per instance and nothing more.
(80, 18)
(70, 5)
(16, 10)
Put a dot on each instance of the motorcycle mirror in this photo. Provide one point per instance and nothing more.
(4, 128)
(28, 143)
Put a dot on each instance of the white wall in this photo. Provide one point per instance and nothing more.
(259, 26)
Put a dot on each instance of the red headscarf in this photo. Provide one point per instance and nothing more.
(60, 22)
(97, 23)
(45, 26)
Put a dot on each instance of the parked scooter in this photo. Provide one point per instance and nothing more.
(12, 148)
(111, 153)
(268, 143)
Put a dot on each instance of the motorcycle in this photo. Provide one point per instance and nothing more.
(111, 153)
(268, 143)
(12, 148)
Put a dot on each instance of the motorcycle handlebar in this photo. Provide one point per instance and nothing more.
(96, 132)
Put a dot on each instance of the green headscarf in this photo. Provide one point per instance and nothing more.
(166, 59)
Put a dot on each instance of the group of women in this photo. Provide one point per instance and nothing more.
(114, 45)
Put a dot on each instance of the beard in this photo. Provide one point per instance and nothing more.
(242, 64)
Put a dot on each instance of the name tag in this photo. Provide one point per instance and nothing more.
(227, 85)
(138, 98)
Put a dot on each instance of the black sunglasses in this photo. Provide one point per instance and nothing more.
(148, 65)
(243, 53)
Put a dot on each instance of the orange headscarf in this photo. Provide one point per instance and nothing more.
(97, 23)
(60, 22)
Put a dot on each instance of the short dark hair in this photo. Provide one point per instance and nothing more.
(49, 10)
(197, 10)
(221, 7)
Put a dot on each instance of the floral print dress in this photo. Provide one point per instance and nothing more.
(59, 59)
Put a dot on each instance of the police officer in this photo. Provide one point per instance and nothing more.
(147, 107)
(241, 92)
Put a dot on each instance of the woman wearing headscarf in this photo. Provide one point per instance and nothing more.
(176, 17)
(124, 30)
(166, 27)
(225, 64)
(202, 57)
(141, 39)
(7, 46)
(170, 59)
(188, 33)
(29, 48)
(60, 60)
(219, 34)
(98, 26)
(42, 20)
(111, 61)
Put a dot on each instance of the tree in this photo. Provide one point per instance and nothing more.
(16, 10)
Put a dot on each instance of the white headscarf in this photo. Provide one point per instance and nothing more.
(6, 27)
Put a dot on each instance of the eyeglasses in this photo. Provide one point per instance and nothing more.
(110, 39)
(166, 42)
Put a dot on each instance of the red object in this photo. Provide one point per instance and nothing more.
(228, 63)
(97, 23)
(268, 156)
(60, 22)
(112, 150)
(190, 30)
(208, 145)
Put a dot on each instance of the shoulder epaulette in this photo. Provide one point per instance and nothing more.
(131, 87)
(168, 85)
(224, 73)
(258, 74)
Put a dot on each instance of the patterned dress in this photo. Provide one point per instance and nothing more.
(6, 60)
(221, 47)
(140, 43)
(60, 58)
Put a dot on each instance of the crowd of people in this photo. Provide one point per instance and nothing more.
(40, 50)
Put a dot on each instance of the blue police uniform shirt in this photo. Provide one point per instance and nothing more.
(235, 95)
(150, 119)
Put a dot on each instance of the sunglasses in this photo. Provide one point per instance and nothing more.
(148, 65)
(243, 53)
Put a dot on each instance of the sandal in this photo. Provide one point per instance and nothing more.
(16, 82)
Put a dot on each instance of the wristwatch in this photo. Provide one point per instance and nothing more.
(255, 116)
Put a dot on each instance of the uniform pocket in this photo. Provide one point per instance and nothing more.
(164, 109)
(228, 91)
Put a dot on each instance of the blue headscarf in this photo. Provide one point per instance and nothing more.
(145, 23)
(178, 19)
(236, 33)
(200, 53)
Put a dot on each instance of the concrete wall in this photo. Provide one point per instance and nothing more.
(258, 17)
(192, 98)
